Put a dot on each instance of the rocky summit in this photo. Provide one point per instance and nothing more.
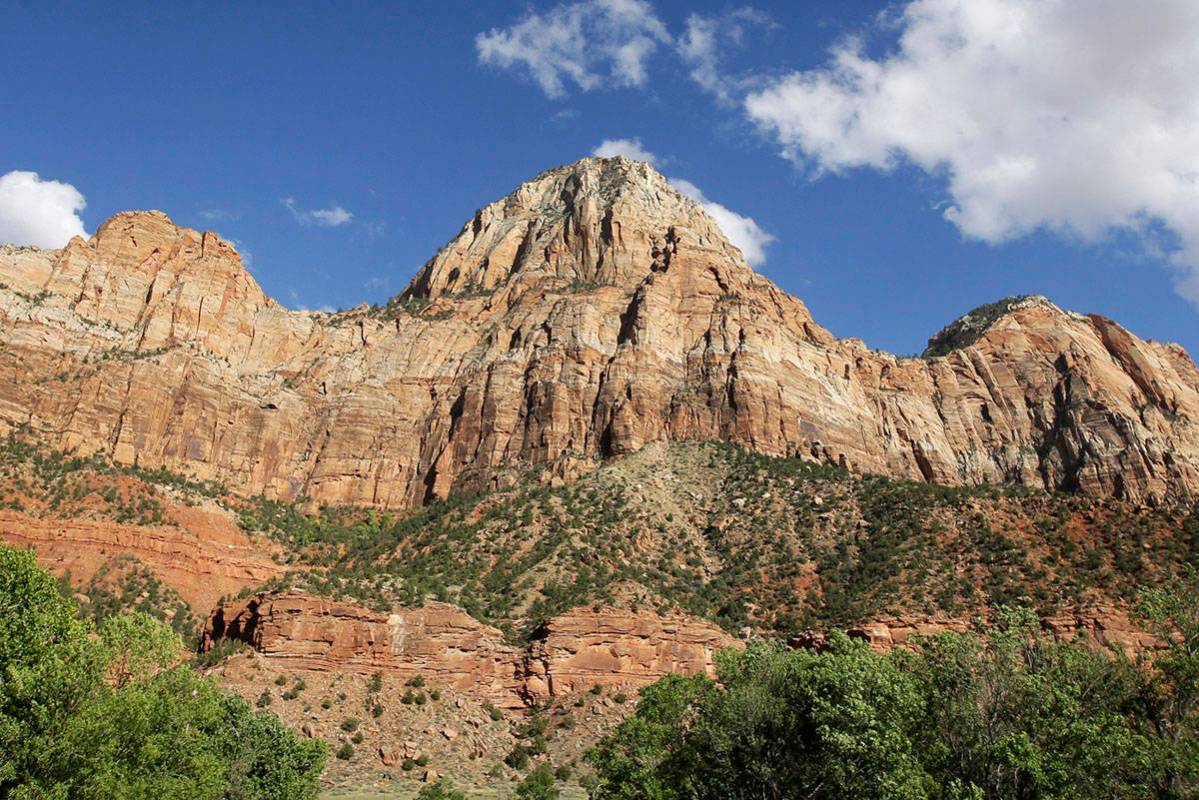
(591, 311)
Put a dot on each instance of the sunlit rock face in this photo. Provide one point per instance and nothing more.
(591, 311)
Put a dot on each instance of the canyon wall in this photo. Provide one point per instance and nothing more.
(593, 310)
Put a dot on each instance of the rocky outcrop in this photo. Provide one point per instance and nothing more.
(586, 647)
(445, 646)
(593, 310)
(203, 561)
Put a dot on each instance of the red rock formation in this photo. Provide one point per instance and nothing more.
(591, 311)
(441, 643)
(438, 641)
(582, 648)
(204, 562)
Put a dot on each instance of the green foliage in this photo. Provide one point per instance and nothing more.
(218, 653)
(111, 714)
(1005, 715)
(443, 789)
(538, 785)
(773, 544)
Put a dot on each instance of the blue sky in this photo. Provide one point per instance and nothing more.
(904, 180)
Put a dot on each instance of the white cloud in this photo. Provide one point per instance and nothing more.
(590, 43)
(1080, 116)
(706, 39)
(324, 217)
(629, 148)
(217, 215)
(38, 212)
(742, 231)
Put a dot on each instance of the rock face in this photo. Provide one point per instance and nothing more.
(584, 647)
(315, 633)
(593, 310)
(441, 643)
(207, 559)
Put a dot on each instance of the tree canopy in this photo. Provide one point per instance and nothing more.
(1008, 714)
(98, 714)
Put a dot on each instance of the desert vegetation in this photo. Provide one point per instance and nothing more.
(1004, 714)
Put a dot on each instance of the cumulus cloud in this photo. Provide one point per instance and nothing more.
(323, 217)
(1079, 116)
(705, 41)
(592, 43)
(629, 148)
(742, 231)
(38, 212)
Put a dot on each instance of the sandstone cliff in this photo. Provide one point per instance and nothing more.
(440, 643)
(588, 313)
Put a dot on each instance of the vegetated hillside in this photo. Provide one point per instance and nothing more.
(121, 538)
(749, 541)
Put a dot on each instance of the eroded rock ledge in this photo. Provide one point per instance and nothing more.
(440, 642)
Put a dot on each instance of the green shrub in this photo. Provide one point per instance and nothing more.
(443, 789)
(538, 785)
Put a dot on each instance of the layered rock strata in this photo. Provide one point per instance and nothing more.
(591, 311)
(445, 646)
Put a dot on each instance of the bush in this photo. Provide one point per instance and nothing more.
(357, 737)
(349, 724)
(538, 785)
(264, 699)
(345, 752)
(376, 710)
(94, 714)
(442, 790)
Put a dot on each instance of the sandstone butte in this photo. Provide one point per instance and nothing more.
(589, 312)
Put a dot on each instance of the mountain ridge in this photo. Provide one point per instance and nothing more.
(591, 311)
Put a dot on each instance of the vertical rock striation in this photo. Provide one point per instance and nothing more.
(591, 311)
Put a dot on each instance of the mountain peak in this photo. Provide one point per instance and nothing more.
(595, 221)
(971, 326)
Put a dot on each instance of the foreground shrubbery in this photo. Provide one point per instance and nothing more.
(109, 713)
(1008, 715)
